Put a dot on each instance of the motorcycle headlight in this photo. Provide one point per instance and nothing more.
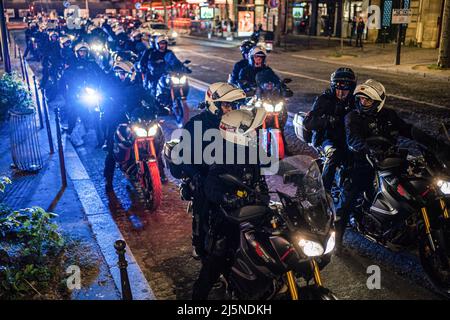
(279, 107)
(444, 186)
(97, 47)
(175, 80)
(183, 80)
(153, 130)
(331, 243)
(269, 107)
(174, 34)
(32, 39)
(91, 97)
(310, 248)
(140, 132)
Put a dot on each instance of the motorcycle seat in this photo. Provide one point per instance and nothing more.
(390, 163)
(248, 213)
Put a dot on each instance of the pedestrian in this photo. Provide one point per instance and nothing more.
(353, 29)
(359, 32)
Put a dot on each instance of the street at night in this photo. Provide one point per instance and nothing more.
(383, 254)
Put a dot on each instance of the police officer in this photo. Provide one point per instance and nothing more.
(83, 72)
(51, 58)
(370, 119)
(125, 96)
(256, 63)
(245, 48)
(326, 120)
(223, 236)
(158, 61)
(220, 98)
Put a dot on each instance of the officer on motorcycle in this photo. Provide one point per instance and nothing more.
(223, 236)
(326, 121)
(67, 54)
(125, 96)
(158, 61)
(30, 33)
(256, 63)
(83, 71)
(220, 98)
(51, 58)
(137, 45)
(245, 47)
(370, 119)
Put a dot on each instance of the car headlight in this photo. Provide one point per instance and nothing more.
(444, 186)
(153, 130)
(310, 248)
(140, 132)
(268, 107)
(278, 107)
(331, 243)
(174, 34)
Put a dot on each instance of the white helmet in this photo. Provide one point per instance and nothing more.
(256, 51)
(125, 66)
(161, 38)
(222, 92)
(239, 126)
(82, 46)
(371, 89)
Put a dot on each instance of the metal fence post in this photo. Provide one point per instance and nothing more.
(62, 163)
(38, 103)
(25, 65)
(47, 122)
(21, 64)
(120, 246)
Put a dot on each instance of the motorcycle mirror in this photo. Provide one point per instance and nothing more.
(287, 80)
(187, 61)
(233, 180)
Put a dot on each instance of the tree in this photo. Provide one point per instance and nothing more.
(444, 47)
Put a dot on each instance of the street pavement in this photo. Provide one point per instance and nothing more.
(161, 240)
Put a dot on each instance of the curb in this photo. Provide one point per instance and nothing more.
(104, 228)
(393, 70)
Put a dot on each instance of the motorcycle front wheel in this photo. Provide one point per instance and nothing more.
(436, 263)
(152, 185)
(315, 292)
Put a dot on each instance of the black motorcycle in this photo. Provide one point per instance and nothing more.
(410, 207)
(286, 242)
(172, 91)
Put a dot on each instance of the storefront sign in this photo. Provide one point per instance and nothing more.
(400, 16)
(206, 13)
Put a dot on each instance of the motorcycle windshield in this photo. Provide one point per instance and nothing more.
(306, 202)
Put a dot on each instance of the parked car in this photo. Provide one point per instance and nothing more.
(154, 28)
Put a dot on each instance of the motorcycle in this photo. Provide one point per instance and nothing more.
(172, 91)
(273, 99)
(286, 242)
(90, 99)
(136, 147)
(410, 207)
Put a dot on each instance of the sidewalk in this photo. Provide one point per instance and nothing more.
(414, 61)
(80, 212)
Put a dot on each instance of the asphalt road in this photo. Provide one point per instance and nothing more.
(160, 240)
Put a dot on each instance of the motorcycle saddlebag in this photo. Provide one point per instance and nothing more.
(301, 132)
(172, 159)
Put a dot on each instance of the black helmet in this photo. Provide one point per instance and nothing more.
(245, 47)
(343, 79)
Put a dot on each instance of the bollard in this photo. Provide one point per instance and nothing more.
(25, 66)
(47, 122)
(21, 64)
(38, 103)
(62, 163)
(120, 246)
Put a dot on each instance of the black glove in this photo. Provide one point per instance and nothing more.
(333, 121)
(232, 201)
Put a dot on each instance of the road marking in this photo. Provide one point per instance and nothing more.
(300, 75)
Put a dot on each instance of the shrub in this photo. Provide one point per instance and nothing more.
(13, 95)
